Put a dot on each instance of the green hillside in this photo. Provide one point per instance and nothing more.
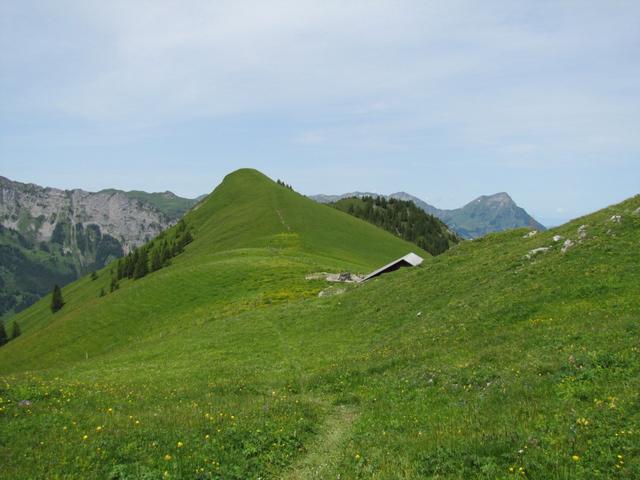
(481, 363)
(403, 219)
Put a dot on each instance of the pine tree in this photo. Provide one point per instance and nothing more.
(156, 259)
(101, 294)
(16, 331)
(94, 275)
(132, 262)
(167, 252)
(3, 334)
(120, 269)
(141, 267)
(114, 284)
(56, 299)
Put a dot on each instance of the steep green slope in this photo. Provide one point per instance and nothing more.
(254, 242)
(488, 361)
(403, 219)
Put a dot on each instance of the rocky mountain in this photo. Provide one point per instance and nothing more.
(52, 236)
(167, 202)
(485, 214)
(430, 209)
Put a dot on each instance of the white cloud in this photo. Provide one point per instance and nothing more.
(482, 67)
(517, 84)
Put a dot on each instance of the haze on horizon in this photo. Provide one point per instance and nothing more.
(446, 101)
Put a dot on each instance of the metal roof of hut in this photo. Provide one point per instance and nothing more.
(409, 260)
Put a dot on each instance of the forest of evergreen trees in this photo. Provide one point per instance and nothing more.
(152, 255)
(402, 218)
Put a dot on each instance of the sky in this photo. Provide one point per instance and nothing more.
(446, 100)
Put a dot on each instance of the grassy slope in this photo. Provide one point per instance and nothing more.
(475, 365)
(252, 247)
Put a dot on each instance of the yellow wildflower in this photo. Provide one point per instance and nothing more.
(575, 458)
(167, 457)
(180, 444)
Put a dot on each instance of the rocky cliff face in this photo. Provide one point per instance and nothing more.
(50, 236)
(63, 216)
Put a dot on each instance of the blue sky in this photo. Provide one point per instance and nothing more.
(444, 100)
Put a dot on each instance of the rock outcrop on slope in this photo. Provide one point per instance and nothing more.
(63, 216)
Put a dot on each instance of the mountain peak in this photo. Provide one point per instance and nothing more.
(497, 199)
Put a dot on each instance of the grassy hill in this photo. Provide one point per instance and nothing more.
(403, 219)
(481, 363)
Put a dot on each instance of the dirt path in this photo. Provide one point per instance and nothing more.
(326, 449)
(282, 220)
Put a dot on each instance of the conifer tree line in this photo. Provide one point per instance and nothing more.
(153, 255)
(402, 218)
(282, 184)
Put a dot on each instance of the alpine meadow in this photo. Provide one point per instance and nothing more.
(319, 240)
(514, 355)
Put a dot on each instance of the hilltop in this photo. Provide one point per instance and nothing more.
(511, 356)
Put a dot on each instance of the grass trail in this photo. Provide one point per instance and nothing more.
(326, 451)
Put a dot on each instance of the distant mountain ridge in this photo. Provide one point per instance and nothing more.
(485, 214)
(50, 235)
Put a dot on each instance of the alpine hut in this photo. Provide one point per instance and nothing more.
(409, 260)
